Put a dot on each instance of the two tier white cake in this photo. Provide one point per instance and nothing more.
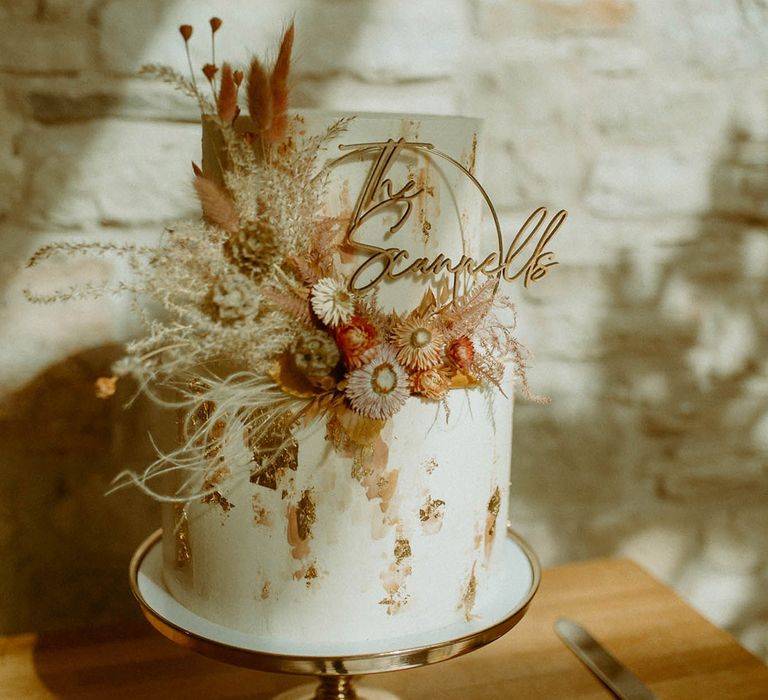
(404, 535)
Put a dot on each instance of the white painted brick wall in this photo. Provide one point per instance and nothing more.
(648, 120)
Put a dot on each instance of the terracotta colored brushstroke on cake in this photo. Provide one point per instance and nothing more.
(394, 577)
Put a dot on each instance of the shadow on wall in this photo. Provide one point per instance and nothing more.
(66, 547)
(670, 466)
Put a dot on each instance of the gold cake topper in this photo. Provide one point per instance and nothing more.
(392, 263)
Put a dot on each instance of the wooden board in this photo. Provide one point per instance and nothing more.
(642, 622)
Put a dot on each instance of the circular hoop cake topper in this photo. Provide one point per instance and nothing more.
(379, 193)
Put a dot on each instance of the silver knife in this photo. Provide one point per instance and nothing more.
(621, 681)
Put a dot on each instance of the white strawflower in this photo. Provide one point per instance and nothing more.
(332, 302)
(379, 388)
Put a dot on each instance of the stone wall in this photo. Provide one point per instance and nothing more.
(647, 120)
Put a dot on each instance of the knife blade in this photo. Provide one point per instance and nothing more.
(619, 679)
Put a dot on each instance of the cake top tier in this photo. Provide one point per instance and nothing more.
(403, 185)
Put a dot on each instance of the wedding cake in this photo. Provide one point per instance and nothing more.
(404, 533)
(335, 341)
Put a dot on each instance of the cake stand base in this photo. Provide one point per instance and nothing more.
(334, 688)
(336, 664)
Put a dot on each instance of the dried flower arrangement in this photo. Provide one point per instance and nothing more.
(260, 331)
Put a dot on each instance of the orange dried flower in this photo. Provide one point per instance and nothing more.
(431, 383)
(215, 24)
(354, 338)
(186, 31)
(461, 352)
(105, 387)
(237, 76)
(419, 342)
(209, 70)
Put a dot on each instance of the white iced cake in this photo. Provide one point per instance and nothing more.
(402, 529)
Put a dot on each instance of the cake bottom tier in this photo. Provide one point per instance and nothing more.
(351, 548)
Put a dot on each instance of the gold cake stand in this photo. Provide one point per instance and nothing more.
(335, 673)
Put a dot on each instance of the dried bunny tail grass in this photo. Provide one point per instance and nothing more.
(227, 102)
(243, 404)
(278, 83)
(259, 97)
(218, 207)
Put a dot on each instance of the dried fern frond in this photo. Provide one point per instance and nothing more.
(89, 290)
(289, 304)
(218, 207)
(87, 248)
(464, 315)
(170, 76)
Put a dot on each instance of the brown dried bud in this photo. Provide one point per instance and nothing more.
(196, 169)
(215, 24)
(237, 76)
(186, 31)
(209, 70)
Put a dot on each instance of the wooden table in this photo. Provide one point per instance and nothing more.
(642, 622)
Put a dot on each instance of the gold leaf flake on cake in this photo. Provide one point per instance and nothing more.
(261, 515)
(265, 590)
(494, 506)
(301, 518)
(430, 465)
(469, 594)
(213, 478)
(431, 515)
(402, 549)
(306, 515)
(395, 601)
(310, 574)
(183, 552)
(394, 577)
(279, 445)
